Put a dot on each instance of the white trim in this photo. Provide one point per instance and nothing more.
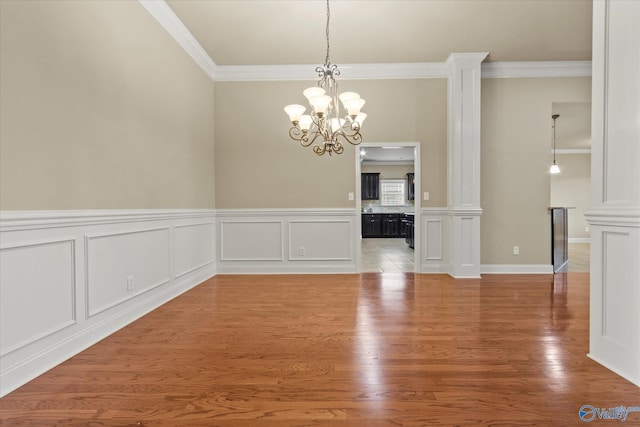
(417, 158)
(516, 269)
(293, 72)
(626, 375)
(579, 240)
(165, 16)
(29, 220)
(392, 71)
(288, 268)
(573, 151)
(493, 70)
(611, 216)
(277, 212)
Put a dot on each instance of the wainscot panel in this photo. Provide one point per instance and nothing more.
(434, 232)
(37, 289)
(71, 278)
(316, 241)
(124, 264)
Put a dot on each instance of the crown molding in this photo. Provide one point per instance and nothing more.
(161, 11)
(495, 70)
(391, 71)
(419, 70)
(573, 151)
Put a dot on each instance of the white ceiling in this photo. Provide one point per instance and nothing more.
(395, 154)
(268, 32)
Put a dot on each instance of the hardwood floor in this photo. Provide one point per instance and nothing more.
(340, 350)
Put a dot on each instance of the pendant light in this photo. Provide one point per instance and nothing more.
(554, 167)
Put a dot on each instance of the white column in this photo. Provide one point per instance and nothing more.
(463, 167)
(615, 190)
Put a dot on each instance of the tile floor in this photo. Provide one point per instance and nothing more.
(394, 256)
(386, 256)
(579, 254)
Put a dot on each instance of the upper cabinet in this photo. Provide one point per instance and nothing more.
(410, 186)
(370, 185)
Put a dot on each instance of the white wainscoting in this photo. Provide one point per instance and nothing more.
(70, 278)
(434, 234)
(435, 248)
(286, 241)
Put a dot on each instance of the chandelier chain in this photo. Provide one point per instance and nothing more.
(326, 61)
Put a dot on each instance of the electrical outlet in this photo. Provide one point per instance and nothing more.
(302, 251)
(586, 229)
(516, 250)
(352, 196)
(130, 285)
(426, 195)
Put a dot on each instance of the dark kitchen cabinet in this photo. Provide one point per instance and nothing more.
(411, 186)
(371, 225)
(409, 237)
(370, 185)
(382, 225)
(390, 225)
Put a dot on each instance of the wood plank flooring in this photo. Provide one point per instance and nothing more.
(339, 350)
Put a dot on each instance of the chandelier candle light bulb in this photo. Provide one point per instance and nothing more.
(324, 124)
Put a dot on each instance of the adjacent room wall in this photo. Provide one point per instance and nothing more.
(572, 188)
(516, 155)
(100, 109)
(259, 166)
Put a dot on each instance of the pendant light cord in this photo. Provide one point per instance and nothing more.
(554, 117)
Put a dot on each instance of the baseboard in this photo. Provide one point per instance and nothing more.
(635, 381)
(516, 269)
(579, 239)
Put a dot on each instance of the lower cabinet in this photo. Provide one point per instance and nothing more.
(390, 225)
(382, 225)
(410, 232)
(371, 225)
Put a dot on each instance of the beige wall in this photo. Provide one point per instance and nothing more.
(258, 166)
(100, 109)
(515, 160)
(572, 188)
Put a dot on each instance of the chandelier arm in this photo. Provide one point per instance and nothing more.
(312, 141)
(338, 148)
(296, 134)
(320, 150)
(353, 139)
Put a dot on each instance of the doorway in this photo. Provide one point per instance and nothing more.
(392, 215)
(571, 188)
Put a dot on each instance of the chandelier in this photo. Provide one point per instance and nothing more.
(325, 125)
